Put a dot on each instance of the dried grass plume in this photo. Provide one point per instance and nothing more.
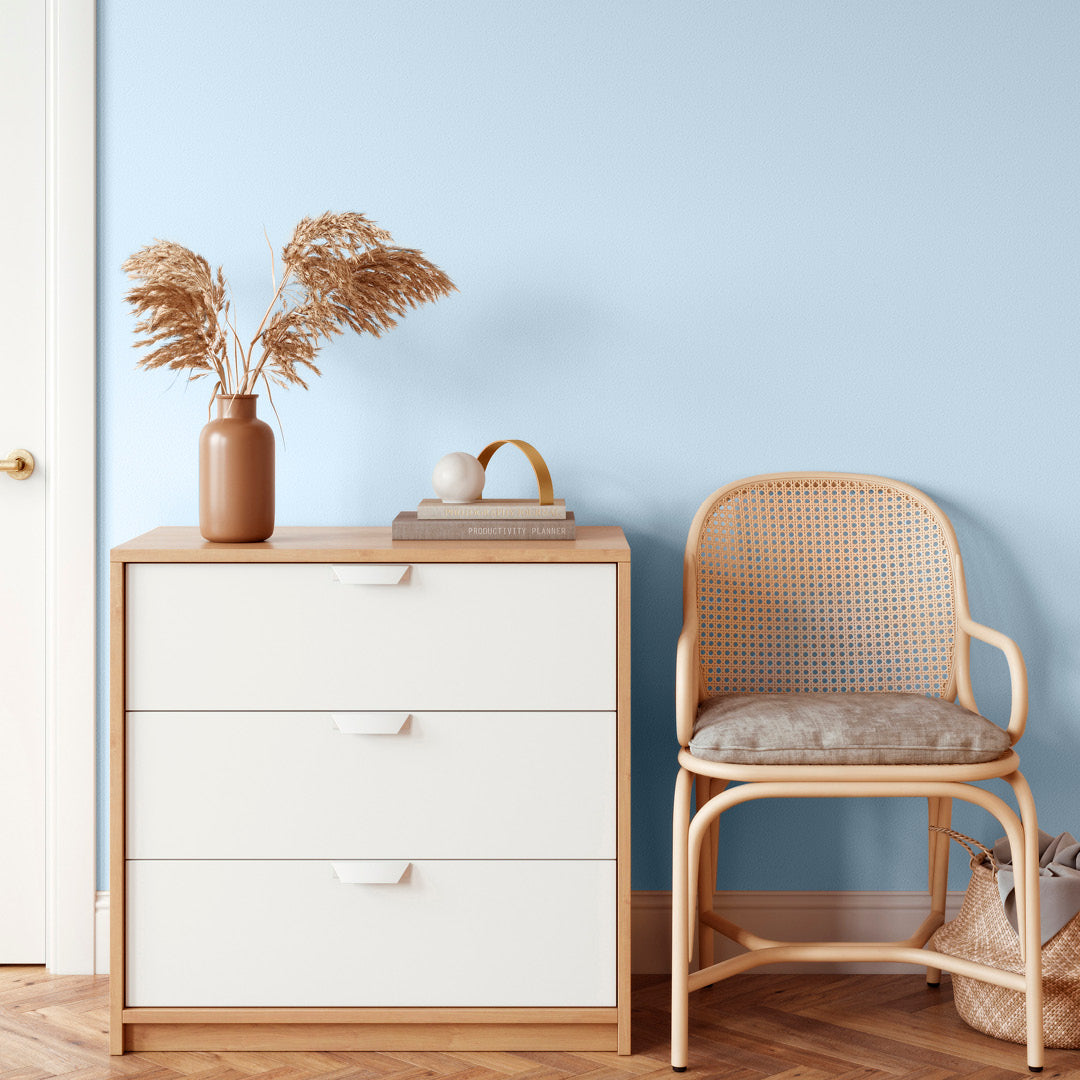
(338, 272)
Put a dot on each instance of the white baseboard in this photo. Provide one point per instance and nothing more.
(101, 933)
(797, 916)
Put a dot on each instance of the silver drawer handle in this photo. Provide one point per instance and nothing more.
(370, 872)
(370, 723)
(370, 573)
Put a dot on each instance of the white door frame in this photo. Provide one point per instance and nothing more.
(70, 475)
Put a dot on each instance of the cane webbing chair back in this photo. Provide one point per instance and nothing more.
(825, 582)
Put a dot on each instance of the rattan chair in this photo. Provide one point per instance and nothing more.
(820, 612)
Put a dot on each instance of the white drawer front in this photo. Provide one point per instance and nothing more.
(490, 785)
(455, 933)
(447, 636)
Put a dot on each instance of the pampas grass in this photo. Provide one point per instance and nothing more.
(338, 272)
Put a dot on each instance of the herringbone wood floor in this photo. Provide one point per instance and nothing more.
(752, 1027)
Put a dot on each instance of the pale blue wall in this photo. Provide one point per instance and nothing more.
(694, 241)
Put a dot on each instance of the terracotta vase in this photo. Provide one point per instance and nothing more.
(236, 473)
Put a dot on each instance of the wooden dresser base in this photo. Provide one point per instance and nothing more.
(370, 1029)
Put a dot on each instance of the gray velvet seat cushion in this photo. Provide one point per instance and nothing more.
(843, 729)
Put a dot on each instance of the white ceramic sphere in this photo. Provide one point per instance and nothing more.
(458, 478)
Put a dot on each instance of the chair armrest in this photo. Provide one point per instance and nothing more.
(1017, 669)
(686, 683)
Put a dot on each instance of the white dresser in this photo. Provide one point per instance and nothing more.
(370, 794)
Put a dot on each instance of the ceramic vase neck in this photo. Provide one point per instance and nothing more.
(236, 406)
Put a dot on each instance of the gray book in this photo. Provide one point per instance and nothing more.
(407, 526)
(490, 508)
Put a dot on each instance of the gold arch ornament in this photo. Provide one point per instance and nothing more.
(536, 460)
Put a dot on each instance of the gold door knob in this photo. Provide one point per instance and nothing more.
(19, 464)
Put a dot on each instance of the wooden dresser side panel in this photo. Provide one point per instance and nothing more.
(117, 624)
(623, 810)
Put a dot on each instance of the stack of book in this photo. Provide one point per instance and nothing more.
(485, 519)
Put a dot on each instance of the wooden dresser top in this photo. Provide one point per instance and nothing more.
(340, 543)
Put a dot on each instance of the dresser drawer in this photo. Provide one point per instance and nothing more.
(455, 933)
(366, 636)
(291, 785)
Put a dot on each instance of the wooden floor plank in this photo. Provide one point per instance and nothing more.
(752, 1027)
(932, 1029)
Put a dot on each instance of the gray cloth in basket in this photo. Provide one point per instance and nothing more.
(1059, 881)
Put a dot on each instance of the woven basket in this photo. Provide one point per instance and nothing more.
(981, 932)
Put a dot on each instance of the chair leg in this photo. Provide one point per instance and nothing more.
(940, 815)
(680, 921)
(931, 819)
(706, 881)
(1031, 925)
